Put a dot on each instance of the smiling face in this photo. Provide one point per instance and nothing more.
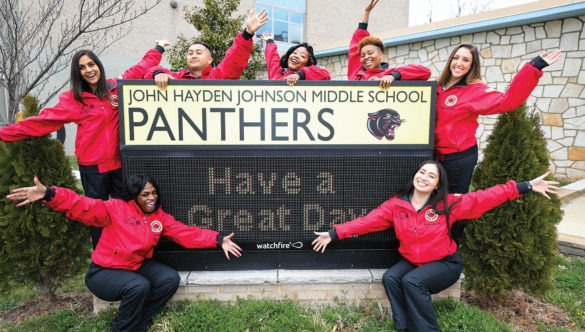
(298, 59)
(461, 63)
(198, 57)
(426, 179)
(371, 56)
(90, 71)
(147, 198)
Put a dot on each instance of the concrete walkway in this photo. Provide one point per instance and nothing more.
(571, 229)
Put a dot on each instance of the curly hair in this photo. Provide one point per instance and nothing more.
(371, 41)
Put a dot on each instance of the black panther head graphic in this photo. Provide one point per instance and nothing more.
(383, 123)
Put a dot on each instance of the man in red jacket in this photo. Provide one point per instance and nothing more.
(199, 58)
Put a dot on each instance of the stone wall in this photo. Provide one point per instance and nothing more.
(559, 97)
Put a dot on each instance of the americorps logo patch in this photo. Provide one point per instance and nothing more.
(451, 100)
(431, 215)
(156, 226)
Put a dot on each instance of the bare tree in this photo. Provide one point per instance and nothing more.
(37, 38)
(468, 7)
(429, 17)
(458, 8)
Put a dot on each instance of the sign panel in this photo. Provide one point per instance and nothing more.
(273, 163)
(246, 115)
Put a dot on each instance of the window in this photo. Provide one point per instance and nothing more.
(286, 19)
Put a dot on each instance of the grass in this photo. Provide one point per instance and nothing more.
(288, 315)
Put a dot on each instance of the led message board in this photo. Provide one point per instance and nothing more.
(273, 163)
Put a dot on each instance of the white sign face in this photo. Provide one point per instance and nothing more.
(220, 113)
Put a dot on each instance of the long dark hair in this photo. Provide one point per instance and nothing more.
(474, 73)
(439, 196)
(136, 183)
(312, 59)
(79, 85)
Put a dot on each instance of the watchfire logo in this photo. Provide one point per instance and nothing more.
(279, 245)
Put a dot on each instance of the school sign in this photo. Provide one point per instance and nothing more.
(273, 163)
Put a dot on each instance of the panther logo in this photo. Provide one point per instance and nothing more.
(383, 123)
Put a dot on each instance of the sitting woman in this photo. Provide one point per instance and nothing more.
(298, 63)
(122, 268)
(422, 215)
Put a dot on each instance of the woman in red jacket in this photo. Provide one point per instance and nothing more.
(422, 215)
(461, 98)
(92, 104)
(122, 268)
(298, 63)
(364, 61)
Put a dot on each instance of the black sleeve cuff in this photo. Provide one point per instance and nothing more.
(49, 194)
(363, 26)
(247, 35)
(397, 75)
(269, 41)
(160, 49)
(219, 241)
(524, 187)
(301, 74)
(333, 234)
(539, 63)
(157, 72)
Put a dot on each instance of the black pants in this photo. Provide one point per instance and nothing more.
(142, 294)
(459, 167)
(102, 186)
(409, 288)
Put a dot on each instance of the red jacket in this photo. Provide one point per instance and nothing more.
(128, 235)
(276, 72)
(230, 68)
(356, 72)
(459, 107)
(98, 134)
(423, 235)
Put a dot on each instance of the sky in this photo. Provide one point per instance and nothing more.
(445, 9)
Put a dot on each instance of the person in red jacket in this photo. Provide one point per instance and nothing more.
(92, 104)
(421, 215)
(461, 98)
(364, 61)
(199, 58)
(298, 63)
(122, 268)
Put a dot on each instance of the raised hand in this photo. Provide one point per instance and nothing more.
(368, 9)
(163, 43)
(266, 36)
(552, 57)
(254, 22)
